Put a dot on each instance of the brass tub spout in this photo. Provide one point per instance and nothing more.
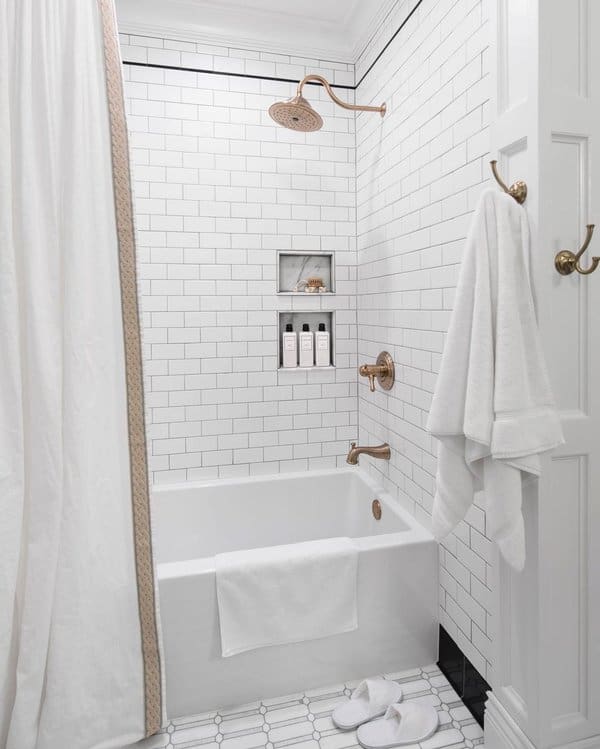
(383, 452)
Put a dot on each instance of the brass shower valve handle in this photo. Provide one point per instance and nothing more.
(383, 371)
(371, 371)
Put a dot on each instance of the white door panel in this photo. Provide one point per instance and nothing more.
(552, 628)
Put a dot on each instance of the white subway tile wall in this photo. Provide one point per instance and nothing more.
(219, 188)
(419, 175)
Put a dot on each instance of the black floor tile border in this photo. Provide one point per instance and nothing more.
(465, 679)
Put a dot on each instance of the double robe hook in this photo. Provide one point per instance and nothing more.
(518, 190)
(566, 262)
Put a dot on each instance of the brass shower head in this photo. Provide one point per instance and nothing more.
(297, 114)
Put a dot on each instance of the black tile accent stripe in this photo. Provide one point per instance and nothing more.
(133, 63)
(466, 681)
(391, 39)
(231, 75)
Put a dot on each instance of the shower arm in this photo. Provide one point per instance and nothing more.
(340, 102)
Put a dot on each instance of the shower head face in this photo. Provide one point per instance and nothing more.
(296, 114)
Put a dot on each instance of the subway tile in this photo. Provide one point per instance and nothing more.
(218, 185)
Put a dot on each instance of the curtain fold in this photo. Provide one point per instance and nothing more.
(79, 660)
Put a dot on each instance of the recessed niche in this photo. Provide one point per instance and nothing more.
(297, 319)
(295, 268)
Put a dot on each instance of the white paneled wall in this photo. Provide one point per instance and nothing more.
(419, 175)
(219, 188)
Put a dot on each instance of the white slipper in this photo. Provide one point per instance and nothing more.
(408, 723)
(370, 699)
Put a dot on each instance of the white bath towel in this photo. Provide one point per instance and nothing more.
(284, 594)
(492, 410)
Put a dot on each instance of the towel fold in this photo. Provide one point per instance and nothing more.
(283, 594)
(492, 409)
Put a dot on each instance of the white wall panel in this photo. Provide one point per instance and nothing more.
(570, 47)
(553, 698)
(569, 174)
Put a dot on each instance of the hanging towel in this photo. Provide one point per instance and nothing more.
(283, 594)
(492, 410)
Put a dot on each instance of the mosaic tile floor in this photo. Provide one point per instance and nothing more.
(303, 721)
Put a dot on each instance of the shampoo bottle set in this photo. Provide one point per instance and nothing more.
(306, 349)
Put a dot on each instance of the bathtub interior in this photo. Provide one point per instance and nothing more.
(201, 520)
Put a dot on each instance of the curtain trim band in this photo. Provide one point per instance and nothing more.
(134, 376)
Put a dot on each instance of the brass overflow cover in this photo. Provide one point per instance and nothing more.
(376, 508)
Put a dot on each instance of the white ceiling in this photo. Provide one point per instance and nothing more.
(326, 29)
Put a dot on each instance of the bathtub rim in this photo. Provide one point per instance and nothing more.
(414, 533)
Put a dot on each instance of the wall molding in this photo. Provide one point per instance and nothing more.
(502, 732)
(334, 45)
(164, 31)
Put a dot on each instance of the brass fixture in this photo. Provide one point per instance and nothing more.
(382, 452)
(297, 114)
(518, 190)
(383, 371)
(376, 509)
(314, 285)
(566, 261)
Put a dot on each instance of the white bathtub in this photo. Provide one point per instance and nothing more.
(397, 584)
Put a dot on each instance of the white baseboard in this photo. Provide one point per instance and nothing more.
(502, 732)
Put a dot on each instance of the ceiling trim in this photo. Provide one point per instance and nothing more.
(371, 29)
(145, 25)
(175, 33)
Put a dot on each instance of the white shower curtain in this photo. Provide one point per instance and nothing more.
(78, 648)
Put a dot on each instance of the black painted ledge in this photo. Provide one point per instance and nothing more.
(466, 681)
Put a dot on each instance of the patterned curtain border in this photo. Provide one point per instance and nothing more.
(134, 376)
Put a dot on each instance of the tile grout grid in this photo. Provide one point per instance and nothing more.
(303, 720)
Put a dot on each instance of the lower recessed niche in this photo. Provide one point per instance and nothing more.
(297, 319)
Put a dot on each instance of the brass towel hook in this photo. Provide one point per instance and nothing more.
(518, 190)
(566, 261)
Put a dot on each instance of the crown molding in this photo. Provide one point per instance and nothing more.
(175, 33)
(371, 29)
(329, 43)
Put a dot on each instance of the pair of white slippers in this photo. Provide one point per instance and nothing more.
(401, 724)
